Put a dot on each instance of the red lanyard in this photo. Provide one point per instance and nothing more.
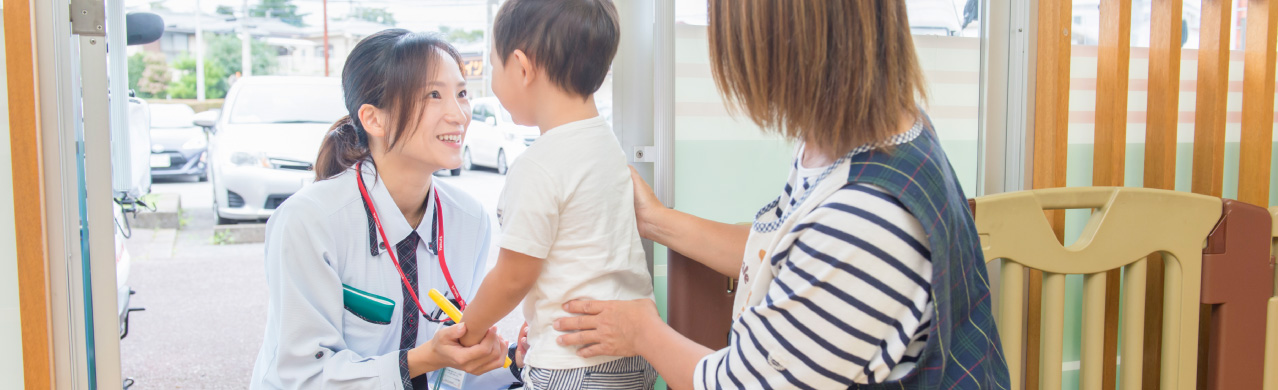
(439, 239)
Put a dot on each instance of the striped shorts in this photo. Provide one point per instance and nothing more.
(625, 373)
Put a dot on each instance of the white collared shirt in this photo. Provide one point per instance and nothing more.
(319, 240)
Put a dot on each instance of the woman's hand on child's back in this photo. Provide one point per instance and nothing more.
(611, 328)
(522, 349)
(646, 203)
(445, 350)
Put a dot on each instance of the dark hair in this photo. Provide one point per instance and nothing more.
(387, 70)
(574, 41)
(834, 74)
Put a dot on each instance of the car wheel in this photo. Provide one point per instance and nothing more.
(203, 177)
(501, 162)
(466, 163)
(455, 172)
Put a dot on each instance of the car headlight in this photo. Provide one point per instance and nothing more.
(195, 143)
(244, 159)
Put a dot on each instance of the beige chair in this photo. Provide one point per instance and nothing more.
(1126, 225)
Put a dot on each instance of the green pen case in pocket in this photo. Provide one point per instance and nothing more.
(370, 307)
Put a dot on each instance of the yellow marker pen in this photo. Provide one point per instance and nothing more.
(451, 311)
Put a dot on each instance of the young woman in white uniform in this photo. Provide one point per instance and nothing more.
(349, 258)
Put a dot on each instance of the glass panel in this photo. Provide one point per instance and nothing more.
(948, 41)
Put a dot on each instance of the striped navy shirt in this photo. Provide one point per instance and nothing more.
(849, 302)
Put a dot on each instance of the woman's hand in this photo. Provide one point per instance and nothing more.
(646, 204)
(522, 349)
(445, 350)
(612, 328)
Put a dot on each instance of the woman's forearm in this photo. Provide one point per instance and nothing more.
(717, 245)
(673, 356)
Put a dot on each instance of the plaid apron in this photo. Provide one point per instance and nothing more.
(963, 349)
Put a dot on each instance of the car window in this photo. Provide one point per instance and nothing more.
(288, 103)
(167, 116)
(505, 116)
(480, 112)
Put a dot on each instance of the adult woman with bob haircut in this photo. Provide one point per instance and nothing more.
(866, 271)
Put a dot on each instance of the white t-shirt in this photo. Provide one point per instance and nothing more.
(569, 200)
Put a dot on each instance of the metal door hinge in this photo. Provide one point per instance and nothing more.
(88, 17)
(644, 154)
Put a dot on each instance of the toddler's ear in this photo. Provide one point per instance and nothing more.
(526, 72)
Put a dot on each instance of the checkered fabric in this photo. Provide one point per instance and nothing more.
(406, 251)
(963, 350)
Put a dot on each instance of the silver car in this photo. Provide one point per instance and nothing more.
(264, 143)
(177, 144)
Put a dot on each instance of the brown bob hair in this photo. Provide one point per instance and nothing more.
(834, 74)
(388, 70)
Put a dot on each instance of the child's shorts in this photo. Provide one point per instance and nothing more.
(625, 373)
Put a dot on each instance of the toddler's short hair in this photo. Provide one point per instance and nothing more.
(574, 41)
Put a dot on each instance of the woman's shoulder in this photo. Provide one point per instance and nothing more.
(316, 201)
(857, 206)
(455, 198)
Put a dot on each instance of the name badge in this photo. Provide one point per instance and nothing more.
(453, 378)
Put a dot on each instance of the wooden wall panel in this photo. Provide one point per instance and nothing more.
(1109, 158)
(1160, 156)
(1051, 131)
(28, 195)
(1213, 89)
(1258, 103)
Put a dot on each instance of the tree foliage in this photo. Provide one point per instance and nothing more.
(215, 80)
(461, 35)
(155, 76)
(375, 15)
(225, 50)
(284, 10)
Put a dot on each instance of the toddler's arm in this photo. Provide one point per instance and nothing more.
(503, 288)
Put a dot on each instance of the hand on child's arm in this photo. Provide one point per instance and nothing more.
(502, 290)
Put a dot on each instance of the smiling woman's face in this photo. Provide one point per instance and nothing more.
(435, 138)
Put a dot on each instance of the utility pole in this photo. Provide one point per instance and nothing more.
(246, 55)
(325, 38)
(488, 44)
(199, 53)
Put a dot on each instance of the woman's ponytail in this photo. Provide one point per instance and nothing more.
(344, 145)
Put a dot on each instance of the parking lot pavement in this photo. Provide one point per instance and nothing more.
(206, 303)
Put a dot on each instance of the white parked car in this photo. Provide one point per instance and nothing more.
(264, 143)
(493, 139)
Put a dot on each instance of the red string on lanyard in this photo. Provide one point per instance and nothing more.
(439, 237)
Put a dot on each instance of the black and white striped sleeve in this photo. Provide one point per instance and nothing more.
(850, 302)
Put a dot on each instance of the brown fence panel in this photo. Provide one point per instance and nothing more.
(1108, 161)
(1213, 89)
(1258, 103)
(1051, 131)
(1160, 156)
